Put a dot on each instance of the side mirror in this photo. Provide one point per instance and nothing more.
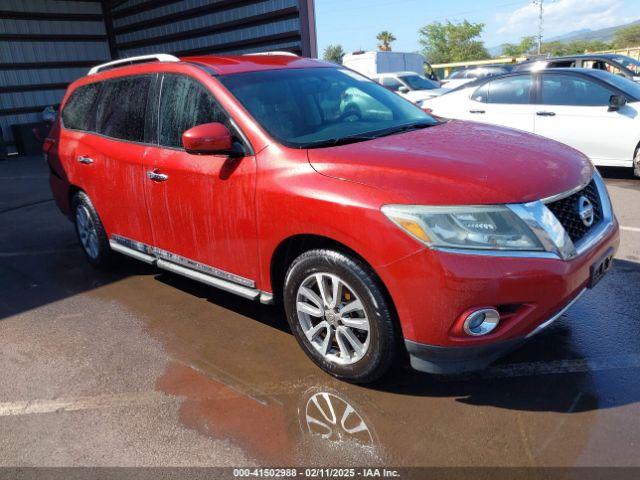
(616, 102)
(404, 89)
(208, 138)
(48, 115)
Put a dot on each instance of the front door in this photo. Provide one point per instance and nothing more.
(202, 207)
(575, 110)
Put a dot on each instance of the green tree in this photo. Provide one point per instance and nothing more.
(557, 49)
(333, 53)
(627, 37)
(386, 39)
(452, 42)
(526, 45)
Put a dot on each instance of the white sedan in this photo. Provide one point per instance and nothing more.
(410, 85)
(592, 111)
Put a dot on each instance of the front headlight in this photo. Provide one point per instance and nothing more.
(492, 227)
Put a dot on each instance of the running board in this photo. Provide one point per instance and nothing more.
(246, 292)
(143, 257)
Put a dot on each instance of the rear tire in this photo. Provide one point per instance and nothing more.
(91, 234)
(340, 316)
(636, 164)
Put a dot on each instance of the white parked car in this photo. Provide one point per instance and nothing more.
(410, 85)
(593, 111)
(468, 75)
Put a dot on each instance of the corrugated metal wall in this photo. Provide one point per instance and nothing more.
(185, 27)
(46, 44)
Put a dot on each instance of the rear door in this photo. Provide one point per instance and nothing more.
(574, 109)
(504, 101)
(117, 158)
(203, 210)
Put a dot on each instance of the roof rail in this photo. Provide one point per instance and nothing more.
(287, 54)
(159, 57)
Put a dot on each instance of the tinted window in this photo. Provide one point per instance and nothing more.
(79, 109)
(563, 64)
(391, 83)
(121, 109)
(514, 90)
(184, 104)
(570, 90)
(309, 107)
(416, 82)
(627, 86)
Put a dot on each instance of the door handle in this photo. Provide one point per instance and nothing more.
(85, 160)
(546, 114)
(157, 177)
(477, 111)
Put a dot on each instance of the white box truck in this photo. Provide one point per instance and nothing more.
(373, 63)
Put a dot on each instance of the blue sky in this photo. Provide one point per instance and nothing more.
(354, 24)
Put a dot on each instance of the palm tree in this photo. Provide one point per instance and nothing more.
(385, 38)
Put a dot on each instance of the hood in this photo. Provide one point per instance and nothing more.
(458, 163)
(417, 95)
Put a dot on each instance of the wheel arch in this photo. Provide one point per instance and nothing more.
(290, 248)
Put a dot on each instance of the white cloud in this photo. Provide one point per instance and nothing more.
(563, 16)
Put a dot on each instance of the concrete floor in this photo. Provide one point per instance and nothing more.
(139, 367)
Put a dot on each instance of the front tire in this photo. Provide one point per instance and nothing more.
(340, 316)
(90, 231)
(636, 164)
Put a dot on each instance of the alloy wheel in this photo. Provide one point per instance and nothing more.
(333, 318)
(87, 232)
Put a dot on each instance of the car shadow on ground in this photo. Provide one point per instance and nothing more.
(556, 371)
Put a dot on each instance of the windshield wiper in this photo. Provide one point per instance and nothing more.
(404, 128)
(334, 142)
(361, 137)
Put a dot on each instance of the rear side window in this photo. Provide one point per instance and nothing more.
(391, 83)
(514, 90)
(576, 91)
(185, 103)
(122, 106)
(78, 112)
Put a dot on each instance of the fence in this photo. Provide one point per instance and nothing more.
(444, 69)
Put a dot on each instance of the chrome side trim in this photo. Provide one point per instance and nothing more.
(180, 260)
(201, 267)
(544, 325)
(250, 293)
(132, 253)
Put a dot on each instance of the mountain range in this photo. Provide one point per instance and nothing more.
(603, 34)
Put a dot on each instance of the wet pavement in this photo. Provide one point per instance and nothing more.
(141, 367)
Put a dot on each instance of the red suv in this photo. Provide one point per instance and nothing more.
(382, 230)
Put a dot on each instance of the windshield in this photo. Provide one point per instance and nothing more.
(628, 63)
(416, 82)
(629, 87)
(311, 107)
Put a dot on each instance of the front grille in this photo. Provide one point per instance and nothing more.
(566, 211)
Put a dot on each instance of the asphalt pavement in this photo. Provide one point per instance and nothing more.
(138, 367)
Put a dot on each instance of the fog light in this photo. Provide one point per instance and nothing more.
(481, 322)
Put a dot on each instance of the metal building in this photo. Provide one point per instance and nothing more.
(46, 44)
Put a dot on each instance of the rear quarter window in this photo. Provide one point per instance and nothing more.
(78, 112)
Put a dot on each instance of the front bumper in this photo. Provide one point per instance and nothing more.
(532, 291)
(452, 360)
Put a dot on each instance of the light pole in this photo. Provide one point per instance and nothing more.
(538, 3)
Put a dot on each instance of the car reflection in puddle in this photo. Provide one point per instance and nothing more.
(316, 427)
